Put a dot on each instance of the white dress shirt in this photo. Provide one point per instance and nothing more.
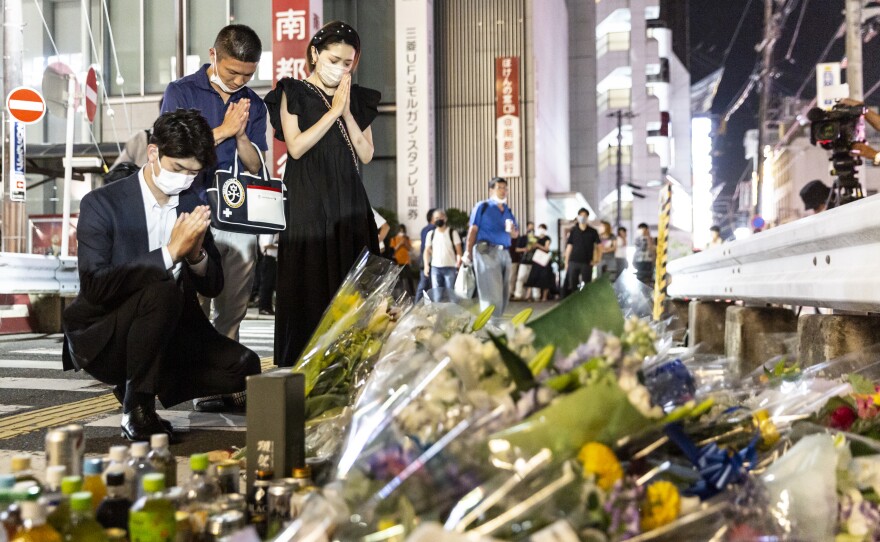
(160, 222)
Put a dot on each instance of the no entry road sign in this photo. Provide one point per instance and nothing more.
(26, 105)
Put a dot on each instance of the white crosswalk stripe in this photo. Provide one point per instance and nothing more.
(52, 384)
(29, 364)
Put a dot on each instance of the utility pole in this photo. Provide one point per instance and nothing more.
(854, 49)
(12, 213)
(770, 34)
(620, 114)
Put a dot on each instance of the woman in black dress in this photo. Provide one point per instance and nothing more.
(542, 277)
(324, 121)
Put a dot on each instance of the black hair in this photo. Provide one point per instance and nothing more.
(239, 42)
(715, 229)
(643, 225)
(621, 229)
(330, 34)
(185, 134)
(542, 226)
(495, 180)
(431, 214)
(583, 210)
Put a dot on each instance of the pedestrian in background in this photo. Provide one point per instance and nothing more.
(493, 226)
(402, 247)
(716, 238)
(442, 253)
(644, 256)
(542, 279)
(424, 280)
(324, 121)
(607, 262)
(237, 116)
(519, 248)
(268, 272)
(620, 259)
(581, 252)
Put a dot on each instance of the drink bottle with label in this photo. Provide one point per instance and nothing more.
(152, 517)
(140, 465)
(59, 519)
(83, 526)
(35, 528)
(93, 482)
(162, 459)
(113, 511)
(200, 494)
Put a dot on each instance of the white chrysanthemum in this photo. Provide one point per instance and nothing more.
(641, 399)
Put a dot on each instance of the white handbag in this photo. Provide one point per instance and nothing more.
(465, 282)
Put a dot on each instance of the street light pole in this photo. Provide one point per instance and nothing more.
(620, 114)
(12, 213)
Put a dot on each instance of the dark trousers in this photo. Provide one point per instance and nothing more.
(645, 272)
(575, 274)
(268, 276)
(163, 345)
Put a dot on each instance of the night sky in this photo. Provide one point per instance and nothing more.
(712, 26)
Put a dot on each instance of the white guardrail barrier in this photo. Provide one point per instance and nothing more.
(831, 259)
(36, 274)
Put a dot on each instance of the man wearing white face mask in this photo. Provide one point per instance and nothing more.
(237, 117)
(488, 246)
(144, 252)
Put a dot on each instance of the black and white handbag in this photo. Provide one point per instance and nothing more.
(242, 202)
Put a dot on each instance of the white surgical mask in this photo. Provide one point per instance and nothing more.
(171, 183)
(331, 74)
(499, 201)
(582, 220)
(219, 82)
(541, 232)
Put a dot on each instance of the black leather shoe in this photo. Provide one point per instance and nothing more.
(232, 403)
(120, 396)
(141, 423)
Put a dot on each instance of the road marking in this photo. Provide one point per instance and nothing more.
(52, 351)
(50, 384)
(187, 420)
(9, 409)
(29, 364)
(27, 422)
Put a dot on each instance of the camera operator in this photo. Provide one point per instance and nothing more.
(863, 149)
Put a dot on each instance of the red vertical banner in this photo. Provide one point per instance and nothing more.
(294, 22)
(507, 117)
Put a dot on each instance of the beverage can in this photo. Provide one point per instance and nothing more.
(225, 524)
(278, 501)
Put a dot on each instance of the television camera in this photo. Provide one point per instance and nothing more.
(836, 130)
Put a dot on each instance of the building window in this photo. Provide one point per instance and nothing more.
(615, 98)
(658, 73)
(609, 156)
(612, 41)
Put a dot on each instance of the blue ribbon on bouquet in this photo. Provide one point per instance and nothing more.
(717, 467)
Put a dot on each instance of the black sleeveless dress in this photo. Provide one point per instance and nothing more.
(330, 221)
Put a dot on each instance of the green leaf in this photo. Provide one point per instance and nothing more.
(522, 317)
(483, 318)
(516, 366)
(541, 360)
(318, 404)
(860, 384)
(570, 323)
(599, 411)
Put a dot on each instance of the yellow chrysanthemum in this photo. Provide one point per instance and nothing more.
(600, 461)
(661, 505)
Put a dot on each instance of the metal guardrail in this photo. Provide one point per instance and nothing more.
(827, 260)
(36, 274)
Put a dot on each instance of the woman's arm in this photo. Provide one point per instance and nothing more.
(361, 140)
(298, 143)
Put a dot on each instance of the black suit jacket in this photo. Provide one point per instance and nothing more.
(115, 262)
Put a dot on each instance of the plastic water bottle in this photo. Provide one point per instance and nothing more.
(140, 465)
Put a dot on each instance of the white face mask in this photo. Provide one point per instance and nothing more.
(499, 201)
(331, 74)
(582, 220)
(219, 82)
(541, 232)
(171, 183)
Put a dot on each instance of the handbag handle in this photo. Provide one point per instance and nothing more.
(265, 169)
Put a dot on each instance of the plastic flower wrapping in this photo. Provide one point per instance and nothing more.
(585, 423)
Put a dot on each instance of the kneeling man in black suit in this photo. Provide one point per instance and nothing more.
(145, 250)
